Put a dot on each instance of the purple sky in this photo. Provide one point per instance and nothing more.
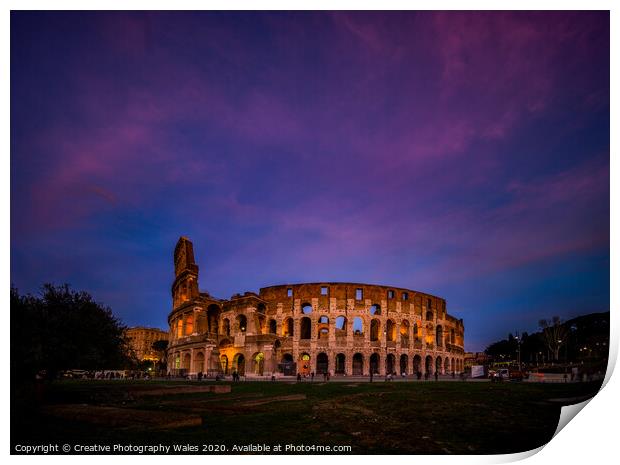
(461, 154)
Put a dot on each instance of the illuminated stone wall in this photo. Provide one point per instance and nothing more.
(342, 328)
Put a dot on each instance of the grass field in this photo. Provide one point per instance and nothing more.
(398, 417)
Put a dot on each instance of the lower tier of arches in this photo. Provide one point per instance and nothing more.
(206, 361)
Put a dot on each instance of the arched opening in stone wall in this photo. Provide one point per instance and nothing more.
(358, 364)
(404, 364)
(452, 336)
(323, 327)
(404, 332)
(273, 326)
(189, 324)
(439, 336)
(429, 315)
(358, 326)
(375, 329)
(438, 365)
(417, 363)
(260, 323)
(375, 309)
(322, 363)
(453, 365)
(187, 362)
(199, 362)
(213, 318)
(202, 324)
(288, 328)
(341, 326)
(258, 363)
(303, 366)
(446, 365)
(306, 309)
(390, 362)
(287, 365)
(416, 335)
(261, 308)
(239, 364)
(430, 334)
(428, 365)
(242, 323)
(226, 327)
(340, 364)
(224, 364)
(305, 328)
(374, 363)
(390, 331)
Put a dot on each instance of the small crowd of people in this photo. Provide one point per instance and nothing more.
(301, 377)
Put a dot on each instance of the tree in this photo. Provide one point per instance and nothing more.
(505, 349)
(160, 345)
(63, 329)
(553, 335)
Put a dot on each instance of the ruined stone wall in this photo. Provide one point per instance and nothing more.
(340, 328)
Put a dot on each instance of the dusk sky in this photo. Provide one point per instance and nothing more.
(461, 154)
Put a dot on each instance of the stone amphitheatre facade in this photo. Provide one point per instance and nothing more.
(340, 328)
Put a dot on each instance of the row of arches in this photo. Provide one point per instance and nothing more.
(203, 322)
(374, 310)
(389, 332)
(359, 364)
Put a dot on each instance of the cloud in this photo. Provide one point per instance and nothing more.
(425, 149)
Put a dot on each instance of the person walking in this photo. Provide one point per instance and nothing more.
(436, 375)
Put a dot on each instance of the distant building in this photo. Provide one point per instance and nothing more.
(141, 341)
(475, 358)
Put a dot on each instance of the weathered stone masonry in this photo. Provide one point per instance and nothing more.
(342, 328)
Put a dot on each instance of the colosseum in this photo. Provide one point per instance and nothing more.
(337, 328)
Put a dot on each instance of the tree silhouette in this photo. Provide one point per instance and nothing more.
(553, 335)
(63, 329)
(160, 345)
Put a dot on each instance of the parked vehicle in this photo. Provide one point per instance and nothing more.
(507, 374)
